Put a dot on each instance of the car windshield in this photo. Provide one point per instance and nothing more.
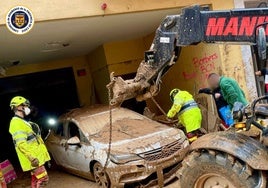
(92, 124)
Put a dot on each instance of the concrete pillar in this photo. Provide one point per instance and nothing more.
(248, 62)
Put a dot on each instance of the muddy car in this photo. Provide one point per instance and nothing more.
(143, 152)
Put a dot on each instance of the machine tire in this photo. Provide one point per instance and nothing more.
(101, 177)
(217, 169)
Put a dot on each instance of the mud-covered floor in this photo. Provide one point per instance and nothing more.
(61, 179)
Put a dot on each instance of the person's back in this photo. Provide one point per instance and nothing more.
(231, 91)
(183, 96)
(187, 110)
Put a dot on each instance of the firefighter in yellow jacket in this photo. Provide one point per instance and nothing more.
(30, 148)
(187, 110)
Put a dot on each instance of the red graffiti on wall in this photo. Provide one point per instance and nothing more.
(202, 68)
(205, 64)
(188, 76)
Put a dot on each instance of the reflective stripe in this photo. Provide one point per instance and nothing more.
(39, 172)
(19, 139)
(18, 132)
(192, 139)
(187, 106)
(29, 139)
(39, 176)
(189, 102)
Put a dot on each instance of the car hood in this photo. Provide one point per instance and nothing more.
(137, 136)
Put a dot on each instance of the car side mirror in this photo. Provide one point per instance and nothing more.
(74, 141)
(48, 134)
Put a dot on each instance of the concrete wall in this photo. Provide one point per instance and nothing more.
(190, 71)
(119, 57)
(100, 74)
(248, 63)
(125, 56)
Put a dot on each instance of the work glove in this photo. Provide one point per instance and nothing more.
(238, 106)
(35, 162)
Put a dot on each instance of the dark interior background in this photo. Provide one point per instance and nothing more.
(51, 93)
(133, 104)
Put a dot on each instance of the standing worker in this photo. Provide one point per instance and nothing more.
(188, 112)
(30, 148)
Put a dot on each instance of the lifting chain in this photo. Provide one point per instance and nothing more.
(110, 129)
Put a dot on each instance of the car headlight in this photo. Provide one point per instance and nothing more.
(124, 158)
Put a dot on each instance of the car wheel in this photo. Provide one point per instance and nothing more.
(101, 177)
(207, 169)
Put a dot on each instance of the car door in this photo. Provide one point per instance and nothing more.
(56, 144)
(78, 156)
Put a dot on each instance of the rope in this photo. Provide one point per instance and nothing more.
(110, 129)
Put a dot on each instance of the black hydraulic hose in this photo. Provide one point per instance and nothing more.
(258, 125)
(252, 121)
(253, 104)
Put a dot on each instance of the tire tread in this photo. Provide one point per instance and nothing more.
(245, 174)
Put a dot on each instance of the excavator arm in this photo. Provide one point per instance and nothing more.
(192, 26)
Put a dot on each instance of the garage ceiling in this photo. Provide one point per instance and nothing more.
(83, 35)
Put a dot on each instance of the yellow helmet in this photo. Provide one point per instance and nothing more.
(173, 93)
(17, 101)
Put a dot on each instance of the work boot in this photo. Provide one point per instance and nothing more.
(192, 136)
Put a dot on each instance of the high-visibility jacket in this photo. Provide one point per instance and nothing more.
(28, 144)
(189, 115)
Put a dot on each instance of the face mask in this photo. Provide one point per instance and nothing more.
(27, 111)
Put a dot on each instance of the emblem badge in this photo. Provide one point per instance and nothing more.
(19, 20)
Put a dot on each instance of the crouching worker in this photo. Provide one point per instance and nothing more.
(30, 148)
(188, 112)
